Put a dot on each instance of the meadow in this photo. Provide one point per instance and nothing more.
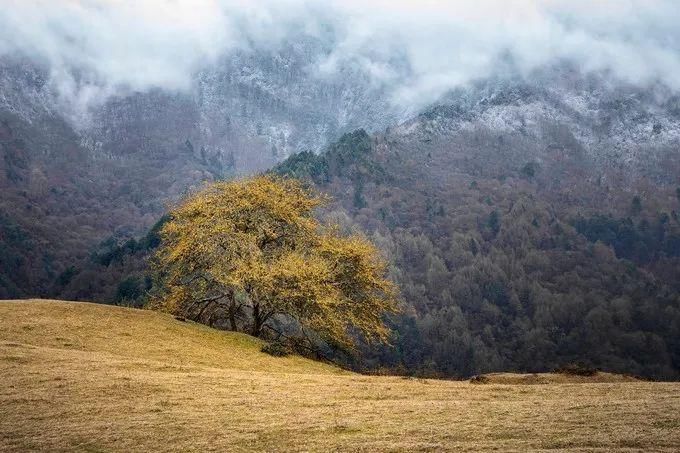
(88, 377)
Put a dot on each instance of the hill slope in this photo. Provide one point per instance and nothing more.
(79, 376)
(116, 333)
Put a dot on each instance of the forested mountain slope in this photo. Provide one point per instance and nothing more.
(525, 266)
(532, 221)
(512, 254)
(74, 175)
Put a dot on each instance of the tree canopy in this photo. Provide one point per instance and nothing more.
(251, 255)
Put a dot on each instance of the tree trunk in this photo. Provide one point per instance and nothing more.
(257, 321)
(232, 316)
(203, 310)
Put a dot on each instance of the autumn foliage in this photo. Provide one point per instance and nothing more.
(250, 255)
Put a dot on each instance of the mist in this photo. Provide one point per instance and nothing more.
(415, 50)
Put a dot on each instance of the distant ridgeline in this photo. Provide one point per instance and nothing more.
(507, 258)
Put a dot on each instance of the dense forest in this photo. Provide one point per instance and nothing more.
(526, 266)
(498, 270)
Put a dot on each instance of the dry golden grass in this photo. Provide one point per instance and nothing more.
(87, 377)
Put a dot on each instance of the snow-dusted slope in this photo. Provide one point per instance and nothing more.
(244, 113)
(613, 123)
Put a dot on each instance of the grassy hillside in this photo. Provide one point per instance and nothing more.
(88, 377)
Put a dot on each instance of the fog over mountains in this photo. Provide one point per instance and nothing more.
(415, 51)
(279, 77)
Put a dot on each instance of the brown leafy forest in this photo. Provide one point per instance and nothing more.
(509, 254)
(57, 200)
(525, 266)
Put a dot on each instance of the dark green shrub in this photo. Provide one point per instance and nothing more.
(575, 369)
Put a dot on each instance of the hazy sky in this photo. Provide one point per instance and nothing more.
(140, 44)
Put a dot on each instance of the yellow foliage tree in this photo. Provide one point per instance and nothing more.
(249, 252)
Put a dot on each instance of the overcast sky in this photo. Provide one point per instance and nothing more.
(140, 44)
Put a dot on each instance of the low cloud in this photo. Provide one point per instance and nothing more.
(416, 50)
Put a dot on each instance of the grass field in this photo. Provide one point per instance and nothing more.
(88, 377)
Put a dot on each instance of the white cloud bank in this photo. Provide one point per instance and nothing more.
(417, 49)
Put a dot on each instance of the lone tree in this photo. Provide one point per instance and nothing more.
(251, 255)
